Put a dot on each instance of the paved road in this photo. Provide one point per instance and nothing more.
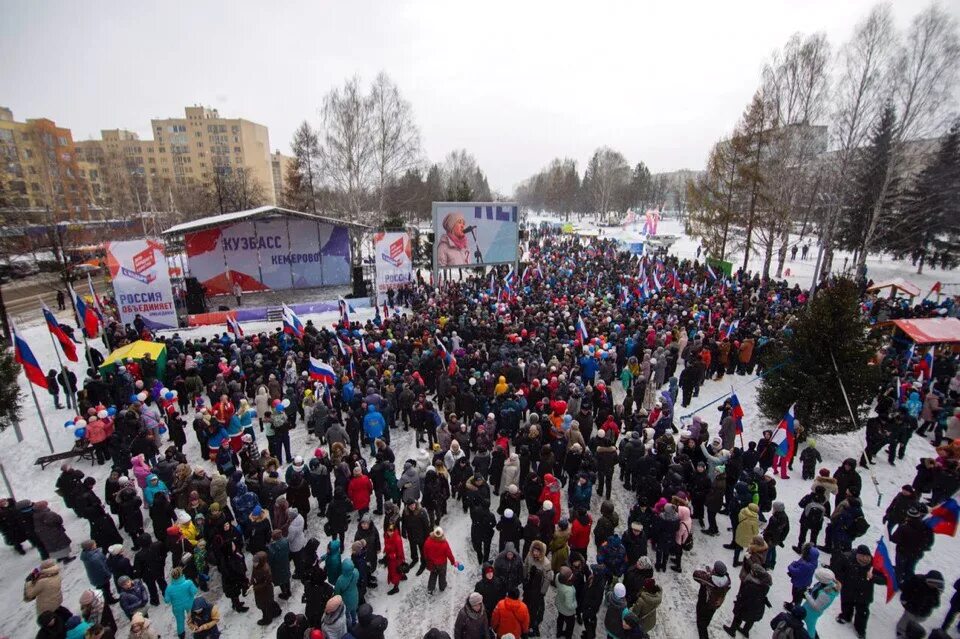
(20, 296)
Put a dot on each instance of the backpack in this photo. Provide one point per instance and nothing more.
(859, 526)
(814, 514)
(688, 542)
(783, 631)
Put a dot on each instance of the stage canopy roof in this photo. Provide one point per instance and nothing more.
(934, 330)
(250, 215)
(898, 284)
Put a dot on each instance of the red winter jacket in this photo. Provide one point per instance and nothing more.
(436, 551)
(358, 490)
(551, 493)
(580, 533)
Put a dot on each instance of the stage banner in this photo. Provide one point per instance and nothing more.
(239, 243)
(274, 252)
(305, 257)
(141, 282)
(474, 233)
(394, 259)
(335, 251)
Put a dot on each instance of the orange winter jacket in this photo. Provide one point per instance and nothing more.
(510, 616)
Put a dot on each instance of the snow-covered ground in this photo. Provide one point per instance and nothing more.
(412, 613)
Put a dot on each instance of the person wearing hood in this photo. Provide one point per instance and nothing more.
(510, 617)
(537, 575)
(790, 620)
(491, 587)
(338, 515)
(509, 567)
(665, 529)
(775, 533)
(76, 627)
(748, 527)
(551, 492)
(472, 621)
(373, 427)
(347, 587)
(714, 586)
(204, 619)
(409, 482)
(436, 554)
(801, 572)
(920, 596)
(751, 602)
(511, 473)
(648, 600)
(180, 595)
(819, 597)
(140, 628)
(334, 624)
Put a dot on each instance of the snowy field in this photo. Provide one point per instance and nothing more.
(411, 613)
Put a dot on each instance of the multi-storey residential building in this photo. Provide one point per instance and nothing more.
(41, 178)
(189, 151)
(280, 164)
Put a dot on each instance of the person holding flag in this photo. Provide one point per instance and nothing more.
(86, 317)
(855, 570)
(233, 327)
(784, 442)
(291, 323)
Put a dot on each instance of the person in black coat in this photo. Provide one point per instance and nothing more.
(751, 602)
(338, 515)
(491, 588)
(855, 571)
(11, 525)
(149, 566)
(316, 589)
(131, 513)
(509, 529)
(482, 526)
(847, 478)
(161, 514)
(920, 596)
(369, 625)
(294, 626)
(415, 526)
(901, 503)
(913, 539)
(233, 571)
(775, 533)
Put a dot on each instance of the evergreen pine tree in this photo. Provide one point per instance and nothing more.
(9, 389)
(800, 370)
(866, 189)
(928, 228)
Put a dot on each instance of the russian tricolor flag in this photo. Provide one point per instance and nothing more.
(710, 272)
(943, 518)
(345, 350)
(783, 437)
(732, 327)
(69, 349)
(656, 282)
(24, 356)
(928, 362)
(344, 314)
(321, 371)
(582, 330)
(291, 323)
(233, 326)
(883, 565)
(736, 412)
(97, 303)
(86, 316)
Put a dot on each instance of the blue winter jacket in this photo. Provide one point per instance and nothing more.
(95, 563)
(801, 571)
(332, 562)
(150, 490)
(244, 502)
(373, 423)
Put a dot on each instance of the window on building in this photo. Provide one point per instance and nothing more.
(236, 149)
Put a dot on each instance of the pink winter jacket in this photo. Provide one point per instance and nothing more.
(140, 470)
(686, 524)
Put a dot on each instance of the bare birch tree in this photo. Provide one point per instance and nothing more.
(347, 153)
(396, 138)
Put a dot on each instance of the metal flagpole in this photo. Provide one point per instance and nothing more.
(6, 481)
(36, 402)
(63, 369)
(81, 323)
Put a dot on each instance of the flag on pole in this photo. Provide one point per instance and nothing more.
(344, 314)
(582, 330)
(784, 435)
(97, 302)
(732, 327)
(291, 323)
(656, 281)
(736, 412)
(928, 363)
(86, 318)
(936, 288)
(943, 518)
(491, 289)
(321, 371)
(883, 565)
(345, 350)
(233, 326)
(69, 349)
(24, 356)
(710, 272)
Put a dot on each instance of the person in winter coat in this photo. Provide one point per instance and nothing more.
(261, 579)
(854, 570)
(648, 600)
(809, 458)
(278, 557)
(848, 479)
(751, 601)
(801, 572)
(913, 539)
(664, 535)
(294, 626)
(566, 602)
(204, 619)
(180, 595)
(775, 533)
(133, 596)
(482, 526)
(334, 624)
(415, 526)
(95, 565)
(792, 621)
(369, 625)
(607, 524)
(613, 556)
(920, 596)
(510, 617)
(551, 492)
(491, 588)
(436, 554)
(748, 527)
(338, 515)
(714, 585)
(347, 587)
(49, 531)
(511, 473)
(508, 567)
(394, 555)
(819, 598)
(77, 627)
(900, 505)
(537, 576)
(616, 605)
(472, 621)
(359, 491)
(44, 586)
(233, 572)
(140, 628)
(509, 529)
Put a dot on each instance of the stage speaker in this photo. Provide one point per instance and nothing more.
(359, 284)
(196, 303)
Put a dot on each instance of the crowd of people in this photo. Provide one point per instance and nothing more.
(508, 388)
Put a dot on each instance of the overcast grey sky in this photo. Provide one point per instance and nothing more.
(516, 83)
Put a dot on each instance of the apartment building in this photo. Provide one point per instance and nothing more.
(280, 164)
(41, 178)
(184, 152)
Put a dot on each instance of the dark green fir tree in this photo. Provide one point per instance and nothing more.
(801, 371)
